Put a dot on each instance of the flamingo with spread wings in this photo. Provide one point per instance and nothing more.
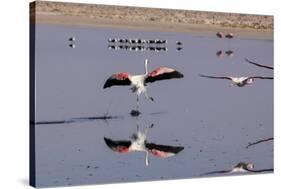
(139, 143)
(138, 83)
(238, 81)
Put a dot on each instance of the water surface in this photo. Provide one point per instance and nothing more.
(213, 120)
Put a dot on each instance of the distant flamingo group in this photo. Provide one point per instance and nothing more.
(228, 52)
(222, 35)
(137, 44)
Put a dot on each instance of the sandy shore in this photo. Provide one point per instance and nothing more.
(243, 25)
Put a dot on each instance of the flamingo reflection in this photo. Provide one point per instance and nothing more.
(241, 167)
(138, 142)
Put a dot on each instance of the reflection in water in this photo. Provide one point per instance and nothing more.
(259, 65)
(77, 119)
(72, 45)
(229, 53)
(137, 48)
(259, 141)
(138, 83)
(240, 168)
(179, 48)
(219, 53)
(238, 81)
(138, 142)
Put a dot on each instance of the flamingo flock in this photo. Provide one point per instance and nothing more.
(237, 81)
(71, 40)
(137, 44)
(221, 35)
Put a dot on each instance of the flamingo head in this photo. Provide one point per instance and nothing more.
(250, 166)
(250, 81)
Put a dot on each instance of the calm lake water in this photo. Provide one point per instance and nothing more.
(211, 119)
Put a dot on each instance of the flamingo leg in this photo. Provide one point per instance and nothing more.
(147, 128)
(138, 128)
(137, 107)
(148, 97)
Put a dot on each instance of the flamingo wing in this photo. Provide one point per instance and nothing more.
(259, 141)
(163, 73)
(260, 65)
(216, 172)
(260, 77)
(118, 79)
(261, 170)
(163, 151)
(215, 77)
(121, 146)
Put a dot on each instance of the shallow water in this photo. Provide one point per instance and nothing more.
(211, 119)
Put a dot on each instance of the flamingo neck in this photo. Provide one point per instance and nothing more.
(146, 66)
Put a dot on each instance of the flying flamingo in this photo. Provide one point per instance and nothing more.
(238, 81)
(260, 65)
(139, 143)
(240, 168)
(138, 83)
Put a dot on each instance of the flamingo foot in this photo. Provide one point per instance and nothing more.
(135, 113)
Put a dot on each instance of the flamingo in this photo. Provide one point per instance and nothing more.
(112, 40)
(240, 168)
(179, 43)
(229, 53)
(229, 36)
(260, 65)
(219, 34)
(71, 39)
(219, 54)
(139, 143)
(238, 81)
(72, 45)
(138, 83)
(179, 48)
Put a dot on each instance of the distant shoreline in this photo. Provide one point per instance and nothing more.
(151, 19)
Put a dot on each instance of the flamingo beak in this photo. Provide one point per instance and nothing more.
(250, 81)
(250, 166)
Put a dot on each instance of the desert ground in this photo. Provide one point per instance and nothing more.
(255, 26)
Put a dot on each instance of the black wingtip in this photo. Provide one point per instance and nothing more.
(179, 149)
(106, 85)
(178, 74)
(108, 141)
